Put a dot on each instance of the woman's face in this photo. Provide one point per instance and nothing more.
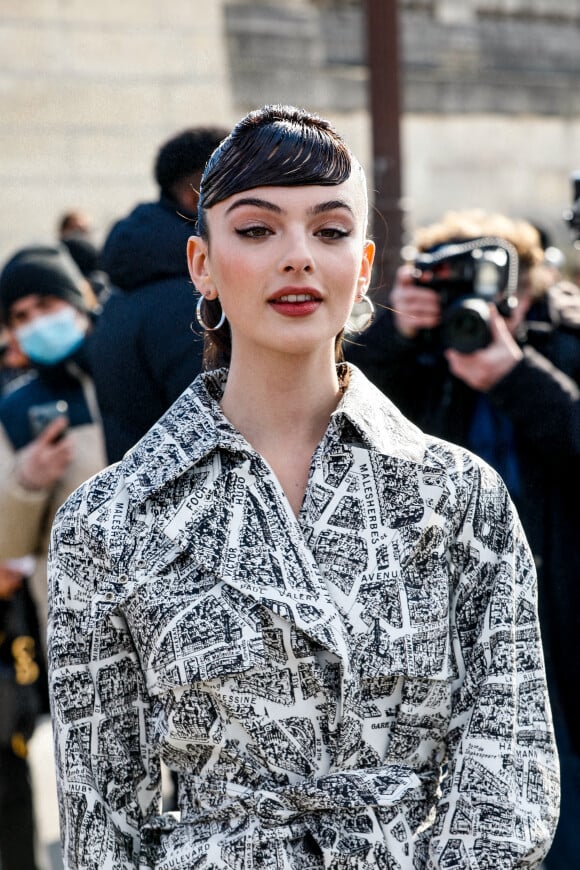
(287, 264)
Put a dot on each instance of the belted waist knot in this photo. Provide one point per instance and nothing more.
(350, 790)
(347, 790)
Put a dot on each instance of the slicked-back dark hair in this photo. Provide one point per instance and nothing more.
(278, 146)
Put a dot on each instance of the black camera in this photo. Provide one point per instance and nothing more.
(468, 275)
(572, 215)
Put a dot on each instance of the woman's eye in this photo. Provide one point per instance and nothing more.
(256, 232)
(333, 233)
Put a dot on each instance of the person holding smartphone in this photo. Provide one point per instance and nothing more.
(49, 442)
(50, 434)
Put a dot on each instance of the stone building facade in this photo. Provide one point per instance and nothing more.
(490, 93)
(88, 91)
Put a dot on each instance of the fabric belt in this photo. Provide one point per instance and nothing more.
(348, 789)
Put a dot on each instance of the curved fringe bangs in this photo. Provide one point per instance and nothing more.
(280, 153)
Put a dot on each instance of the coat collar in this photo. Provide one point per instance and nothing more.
(234, 523)
(195, 427)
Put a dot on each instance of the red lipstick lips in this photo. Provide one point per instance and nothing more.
(295, 301)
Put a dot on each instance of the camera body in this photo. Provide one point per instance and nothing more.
(468, 275)
(572, 214)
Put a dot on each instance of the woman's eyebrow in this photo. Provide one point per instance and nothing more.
(331, 205)
(319, 208)
(255, 201)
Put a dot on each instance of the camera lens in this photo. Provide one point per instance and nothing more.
(465, 326)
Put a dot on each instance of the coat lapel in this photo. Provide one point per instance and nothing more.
(255, 545)
(220, 504)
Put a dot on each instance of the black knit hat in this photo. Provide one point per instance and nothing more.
(41, 271)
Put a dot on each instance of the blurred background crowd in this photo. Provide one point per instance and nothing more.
(467, 116)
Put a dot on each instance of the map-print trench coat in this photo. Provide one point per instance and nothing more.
(360, 686)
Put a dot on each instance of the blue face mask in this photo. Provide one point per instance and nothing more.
(51, 338)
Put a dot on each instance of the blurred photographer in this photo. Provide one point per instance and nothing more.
(485, 352)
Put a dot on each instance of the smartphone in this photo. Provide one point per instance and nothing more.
(40, 416)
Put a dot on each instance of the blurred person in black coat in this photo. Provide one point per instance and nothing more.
(17, 824)
(145, 350)
(516, 403)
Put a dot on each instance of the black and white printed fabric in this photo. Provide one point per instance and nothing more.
(360, 686)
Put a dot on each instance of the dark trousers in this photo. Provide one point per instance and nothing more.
(17, 834)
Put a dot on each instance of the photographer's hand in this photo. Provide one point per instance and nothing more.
(10, 581)
(482, 369)
(414, 307)
(45, 460)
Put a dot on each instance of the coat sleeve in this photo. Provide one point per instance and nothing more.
(23, 511)
(408, 371)
(500, 796)
(108, 778)
(542, 402)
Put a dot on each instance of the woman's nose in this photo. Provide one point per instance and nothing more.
(297, 256)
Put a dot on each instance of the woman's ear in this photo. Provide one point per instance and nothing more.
(366, 268)
(198, 264)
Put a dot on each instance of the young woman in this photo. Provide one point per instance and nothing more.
(323, 620)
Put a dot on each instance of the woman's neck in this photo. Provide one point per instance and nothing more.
(282, 408)
(283, 402)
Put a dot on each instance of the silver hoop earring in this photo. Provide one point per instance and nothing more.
(200, 319)
(361, 316)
